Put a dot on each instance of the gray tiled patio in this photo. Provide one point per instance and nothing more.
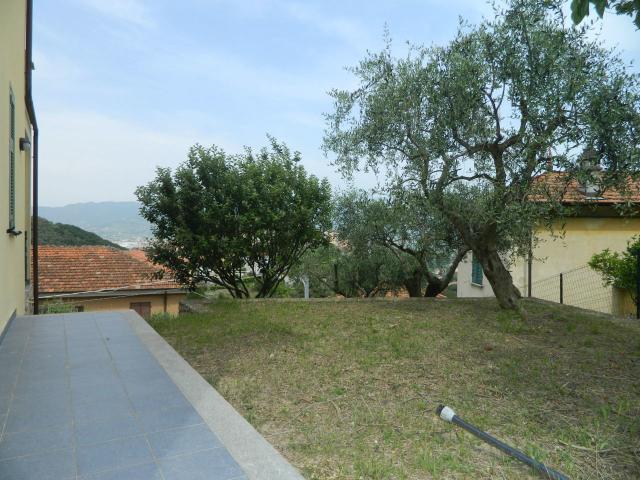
(81, 397)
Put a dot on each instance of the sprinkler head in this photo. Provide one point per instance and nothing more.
(445, 413)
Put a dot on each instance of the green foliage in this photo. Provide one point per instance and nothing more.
(218, 215)
(318, 266)
(360, 271)
(58, 306)
(161, 317)
(381, 245)
(619, 269)
(580, 8)
(416, 236)
(50, 233)
(468, 126)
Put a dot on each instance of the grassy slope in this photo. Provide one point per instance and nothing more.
(347, 389)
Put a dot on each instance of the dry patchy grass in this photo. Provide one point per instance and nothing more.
(348, 389)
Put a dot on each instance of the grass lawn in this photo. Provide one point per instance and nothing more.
(348, 389)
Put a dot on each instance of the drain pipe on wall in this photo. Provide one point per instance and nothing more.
(28, 67)
(448, 415)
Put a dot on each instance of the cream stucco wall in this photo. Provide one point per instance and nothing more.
(124, 303)
(12, 77)
(582, 238)
(465, 288)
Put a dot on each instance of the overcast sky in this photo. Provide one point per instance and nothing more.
(123, 86)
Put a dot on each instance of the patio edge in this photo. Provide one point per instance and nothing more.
(254, 454)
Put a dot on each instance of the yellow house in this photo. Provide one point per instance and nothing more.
(594, 226)
(18, 145)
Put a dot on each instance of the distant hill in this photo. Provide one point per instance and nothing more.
(50, 233)
(118, 222)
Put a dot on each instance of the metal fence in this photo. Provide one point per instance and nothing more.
(581, 287)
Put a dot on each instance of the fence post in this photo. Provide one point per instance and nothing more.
(638, 283)
(561, 289)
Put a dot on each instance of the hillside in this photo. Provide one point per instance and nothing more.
(50, 233)
(355, 384)
(117, 222)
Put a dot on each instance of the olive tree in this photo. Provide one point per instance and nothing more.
(226, 219)
(416, 236)
(469, 126)
(580, 8)
(360, 270)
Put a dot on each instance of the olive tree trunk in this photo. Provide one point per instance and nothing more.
(499, 277)
(413, 284)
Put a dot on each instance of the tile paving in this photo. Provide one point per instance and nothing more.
(82, 398)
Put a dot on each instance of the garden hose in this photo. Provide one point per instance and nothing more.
(448, 415)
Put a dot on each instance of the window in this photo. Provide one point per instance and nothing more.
(476, 271)
(12, 161)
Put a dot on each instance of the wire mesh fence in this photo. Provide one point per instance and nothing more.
(581, 287)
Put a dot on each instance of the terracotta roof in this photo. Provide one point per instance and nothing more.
(89, 268)
(138, 254)
(555, 183)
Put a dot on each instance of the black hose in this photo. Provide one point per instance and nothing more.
(449, 415)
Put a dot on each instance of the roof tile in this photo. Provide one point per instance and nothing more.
(558, 183)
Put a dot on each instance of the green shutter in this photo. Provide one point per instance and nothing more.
(476, 271)
(12, 161)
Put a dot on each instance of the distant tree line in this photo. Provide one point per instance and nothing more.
(51, 233)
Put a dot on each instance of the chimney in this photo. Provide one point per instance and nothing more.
(591, 172)
(589, 160)
(548, 160)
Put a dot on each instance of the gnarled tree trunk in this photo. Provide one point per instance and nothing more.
(499, 277)
(483, 244)
(435, 284)
(413, 284)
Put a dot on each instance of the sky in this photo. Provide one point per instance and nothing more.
(124, 86)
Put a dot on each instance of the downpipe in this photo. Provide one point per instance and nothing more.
(448, 415)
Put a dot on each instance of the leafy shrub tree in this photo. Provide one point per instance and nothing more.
(468, 126)
(225, 219)
(619, 269)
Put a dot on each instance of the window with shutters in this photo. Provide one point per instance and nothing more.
(476, 271)
(12, 161)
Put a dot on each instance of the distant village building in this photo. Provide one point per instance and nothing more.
(93, 278)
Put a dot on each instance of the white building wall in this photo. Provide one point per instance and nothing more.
(465, 287)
